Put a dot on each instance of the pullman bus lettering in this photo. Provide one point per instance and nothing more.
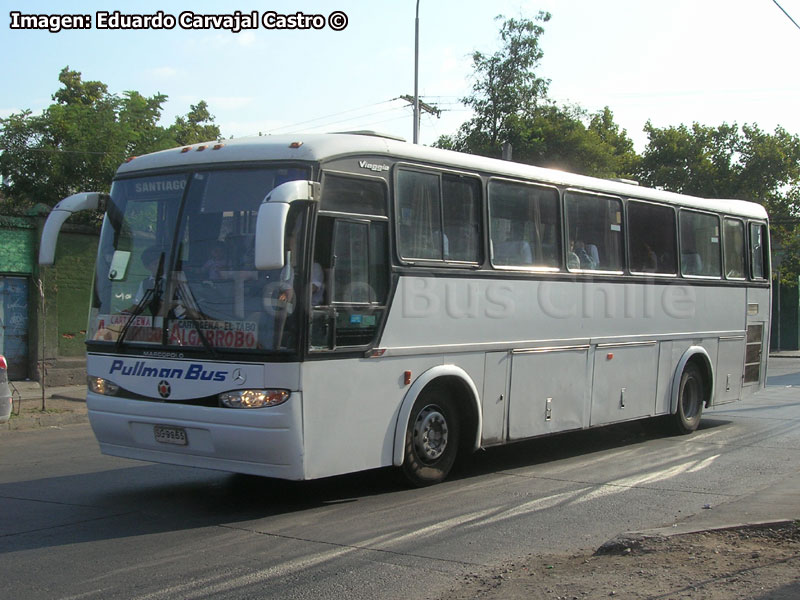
(195, 372)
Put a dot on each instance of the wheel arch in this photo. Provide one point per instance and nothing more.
(699, 356)
(465, 394)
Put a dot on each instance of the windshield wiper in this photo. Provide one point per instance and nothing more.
(151, 294)
(203, 339)
(191, 308)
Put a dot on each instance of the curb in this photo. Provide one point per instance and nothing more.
(64, 406)
(30, 422)
(633, 539)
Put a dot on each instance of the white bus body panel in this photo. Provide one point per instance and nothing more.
(563, 355)
(444, 314)
(355, 417)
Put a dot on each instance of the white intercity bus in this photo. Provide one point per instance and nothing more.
(306, 306)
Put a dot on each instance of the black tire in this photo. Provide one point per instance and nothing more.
(691, 398)
(432, 438)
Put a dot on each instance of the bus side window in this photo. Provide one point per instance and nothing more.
(651, 238)
(594, 225)
(700, 244)
(359, 287)
(419, 216)
(461, 206)
(439, 216)
(758, 254)
(351, 263)
(321, 265)
(733, 232)
(524, 225)
(360, 266)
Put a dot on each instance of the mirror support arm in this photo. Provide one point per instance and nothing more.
(60, 213)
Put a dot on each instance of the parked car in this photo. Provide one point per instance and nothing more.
(5, 391)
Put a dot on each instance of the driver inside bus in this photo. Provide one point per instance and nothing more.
(212, 269)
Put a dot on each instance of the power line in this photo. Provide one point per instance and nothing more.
(344, 112)
(786, 13)
(365, 125)
(358, 117)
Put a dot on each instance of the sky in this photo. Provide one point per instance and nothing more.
(666, 61)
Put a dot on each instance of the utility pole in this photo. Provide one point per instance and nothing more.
(420, 106)
(415, 101)
(416, 76)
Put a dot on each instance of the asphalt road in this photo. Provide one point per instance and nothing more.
(75, 524)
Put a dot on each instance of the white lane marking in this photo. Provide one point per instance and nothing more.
(703, 464)
(212, 585)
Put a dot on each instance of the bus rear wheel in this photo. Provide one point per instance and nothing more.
(432, 439)
(691, 397)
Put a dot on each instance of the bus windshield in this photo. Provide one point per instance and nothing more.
(176, 269)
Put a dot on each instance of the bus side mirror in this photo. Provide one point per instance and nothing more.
(60, 213)
(271, 222)
(270, 230)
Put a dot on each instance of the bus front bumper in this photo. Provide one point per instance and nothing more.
(266, 441)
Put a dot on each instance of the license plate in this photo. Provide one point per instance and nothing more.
(170, 435)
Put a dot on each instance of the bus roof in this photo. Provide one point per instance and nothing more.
(321, 147)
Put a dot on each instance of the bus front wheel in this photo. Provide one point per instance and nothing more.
(432, 439)
(691, 397)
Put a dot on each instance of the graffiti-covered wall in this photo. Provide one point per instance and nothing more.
(54, 328)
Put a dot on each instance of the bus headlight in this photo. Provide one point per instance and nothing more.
(254, 398)
(98, 385)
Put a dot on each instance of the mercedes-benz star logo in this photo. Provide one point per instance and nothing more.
(238, 377)
(164, 388)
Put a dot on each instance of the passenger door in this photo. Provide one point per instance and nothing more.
(350, 267)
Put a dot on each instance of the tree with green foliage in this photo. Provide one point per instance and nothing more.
(78, 142)
(506, 86)
(510, 104)
(696, 160)
(197, 126)
(571, 139)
